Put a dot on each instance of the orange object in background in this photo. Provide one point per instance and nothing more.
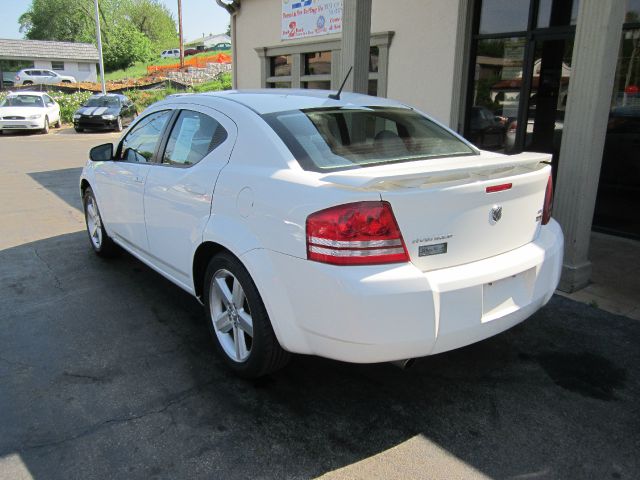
(198, 62)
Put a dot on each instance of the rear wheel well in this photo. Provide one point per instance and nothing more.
(203, 254)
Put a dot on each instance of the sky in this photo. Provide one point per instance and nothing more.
(198, 17)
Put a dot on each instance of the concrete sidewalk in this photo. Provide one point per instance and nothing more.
(615, 281)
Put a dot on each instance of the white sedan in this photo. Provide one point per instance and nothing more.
(357, 229)
(29, 111)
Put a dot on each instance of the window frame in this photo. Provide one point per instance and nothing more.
(297, 50)
(57, 62)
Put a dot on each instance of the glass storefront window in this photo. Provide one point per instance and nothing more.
(557, 13)
(279, 85)
(317, 63)
(374, 55)
(501, 16)
(281, 65)
(618, 200)
(496, 94)
(633, 11)
(373, 88)
(318, 85)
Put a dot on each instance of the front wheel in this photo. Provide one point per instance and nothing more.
(119, 124)
(78, 129)
(58, 123)
(100, 240)
(45, 129)
(238, 320)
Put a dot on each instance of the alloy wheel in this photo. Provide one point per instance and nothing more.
(231, 316)
(94, 225)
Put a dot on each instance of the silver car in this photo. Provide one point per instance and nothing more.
(32, 76)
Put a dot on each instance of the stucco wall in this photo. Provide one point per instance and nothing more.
(421, 57)
(71, 68)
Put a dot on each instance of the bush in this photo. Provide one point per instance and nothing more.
(69, 103)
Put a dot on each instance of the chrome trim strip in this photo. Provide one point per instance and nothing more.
(355, 253)
(325, 242)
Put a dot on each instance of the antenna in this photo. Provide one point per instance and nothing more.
(336, 96)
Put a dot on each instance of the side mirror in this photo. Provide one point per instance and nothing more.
(101, 153)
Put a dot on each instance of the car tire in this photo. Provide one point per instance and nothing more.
(78, 129)
(98, 237)
(242, 334)
(66, 81)
(58, 123)
(118, 124)
(27, 82)
(45, 129)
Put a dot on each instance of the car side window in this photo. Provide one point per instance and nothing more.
(140, 143)
(192, 137)
(48, 100)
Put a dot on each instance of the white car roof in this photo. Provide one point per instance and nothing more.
(281, 100)
(27, 92)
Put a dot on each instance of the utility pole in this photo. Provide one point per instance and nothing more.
(180, 33)
(99, 38)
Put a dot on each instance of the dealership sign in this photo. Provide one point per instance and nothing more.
(308, 18)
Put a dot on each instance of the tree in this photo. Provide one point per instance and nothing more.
(131, 29)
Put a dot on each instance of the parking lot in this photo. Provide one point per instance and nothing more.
(106, 371)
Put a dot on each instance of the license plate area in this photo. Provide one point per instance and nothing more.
(504, 296)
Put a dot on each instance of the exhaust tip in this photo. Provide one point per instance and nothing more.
(403, 364)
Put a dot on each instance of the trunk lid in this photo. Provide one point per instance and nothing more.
(443, 209)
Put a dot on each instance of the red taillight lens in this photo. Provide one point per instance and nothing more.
(363, 233)
(548, 202)
(513, 126)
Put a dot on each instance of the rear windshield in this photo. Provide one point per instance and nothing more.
(325, 139)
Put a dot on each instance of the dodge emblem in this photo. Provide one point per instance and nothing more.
(495, 214)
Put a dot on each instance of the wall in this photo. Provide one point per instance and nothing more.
(421, 57)
(71, 68)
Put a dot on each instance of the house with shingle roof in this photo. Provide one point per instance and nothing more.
(66, 58)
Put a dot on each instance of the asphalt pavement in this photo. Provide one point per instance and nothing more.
(107, 371)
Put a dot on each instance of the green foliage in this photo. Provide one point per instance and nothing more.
(127, 46)
(222, 83)
(69, 103)
(131, 29)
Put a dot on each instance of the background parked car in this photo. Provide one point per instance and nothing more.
(29, 111)
(190, 51)
(220, 46)
(105, 112)
(173, 53)
(32, 76)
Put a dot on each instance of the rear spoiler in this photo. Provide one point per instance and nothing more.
(421, 172)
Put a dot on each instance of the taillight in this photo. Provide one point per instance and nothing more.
(513, 126)
(548, 202)
(363, 233)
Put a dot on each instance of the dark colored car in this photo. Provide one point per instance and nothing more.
(488, 131)
(190, 51)
(112, 111)
(220, 47)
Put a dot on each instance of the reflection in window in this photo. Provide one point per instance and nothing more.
(193, 136)
(279, 85)
(318, 85)
(281, 65)
(317, 63)
(140, 143)
(501, 16)
(557, 13)
(496, 93)
(374, 56)
(618, 200)
(633, 11)
(373, 88)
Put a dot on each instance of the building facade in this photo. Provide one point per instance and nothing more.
(554, 76)
(66, 58)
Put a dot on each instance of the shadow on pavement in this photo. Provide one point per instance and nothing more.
(64, 183)
(106, 370)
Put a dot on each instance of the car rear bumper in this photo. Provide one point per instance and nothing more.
(391, 312)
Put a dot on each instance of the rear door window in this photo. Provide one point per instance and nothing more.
(192, 137)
